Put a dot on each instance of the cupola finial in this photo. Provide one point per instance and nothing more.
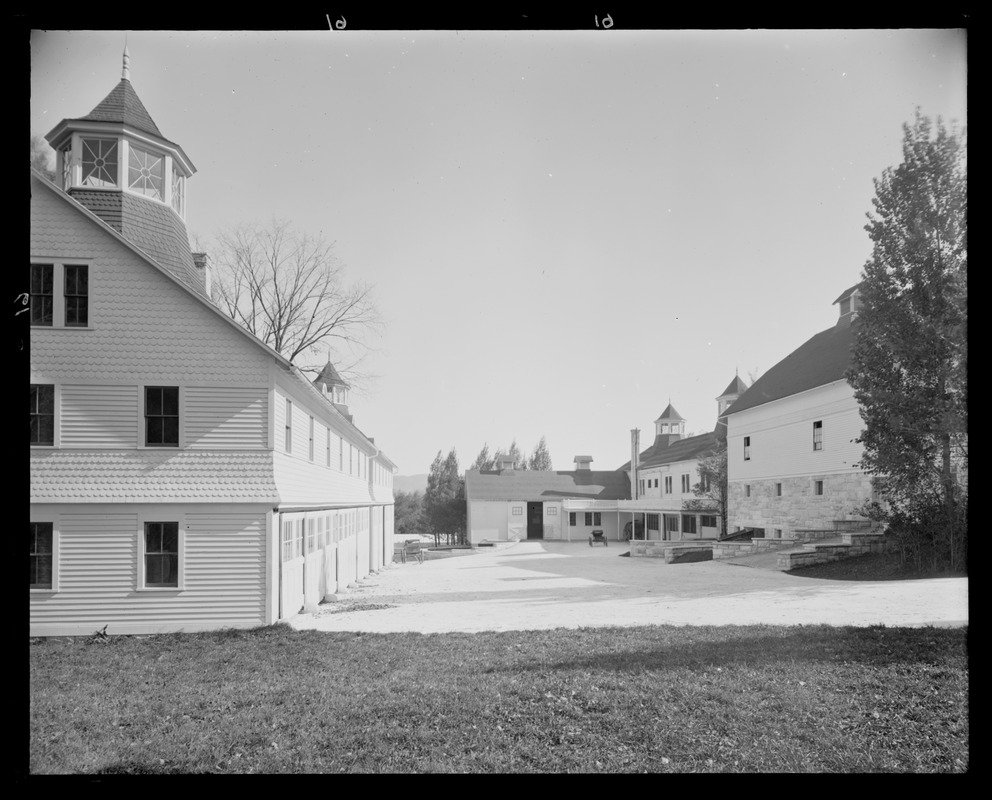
(126, 71)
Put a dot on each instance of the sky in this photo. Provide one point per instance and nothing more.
(565, 230)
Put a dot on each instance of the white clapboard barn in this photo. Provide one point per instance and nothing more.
(508, 504)
(792, 439)
(183, 475)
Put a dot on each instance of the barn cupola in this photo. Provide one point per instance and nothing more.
(670, 424)
(849, 304)
(116, 162)
(334, 388)
(734, 390)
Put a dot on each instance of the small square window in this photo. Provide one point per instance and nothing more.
(162, 416)
(552, 511)
(517, 511)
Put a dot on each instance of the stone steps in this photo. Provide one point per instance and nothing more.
(847, 545)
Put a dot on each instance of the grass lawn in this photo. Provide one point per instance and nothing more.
(657, 699)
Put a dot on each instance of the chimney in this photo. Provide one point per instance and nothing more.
(635, 449)
(203, 271)
(582, 462)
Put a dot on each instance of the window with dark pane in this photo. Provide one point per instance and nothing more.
(42, 414)
(42, 301)
(76, 295)
(162, 416)
(161, 554)
(41, 555)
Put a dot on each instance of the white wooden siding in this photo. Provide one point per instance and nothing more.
(99, 416)
(224, 573)
(224, 417)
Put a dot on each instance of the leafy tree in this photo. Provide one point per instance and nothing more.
(289, 289)
(41, 157)
(444, 499)
(712, 486)
(540, 459)
(909, 366)
(408, 512)
(484, 461)
(519, 460)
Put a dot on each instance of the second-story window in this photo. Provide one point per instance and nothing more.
(747, 448)
(818, 435)
(76, 295)
(162, 416)
(42, 295)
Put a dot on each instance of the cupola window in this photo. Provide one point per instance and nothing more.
(146, 173)
(178, 192)
(99, 162)
(67, 167)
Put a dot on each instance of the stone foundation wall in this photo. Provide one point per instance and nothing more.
(798, 506)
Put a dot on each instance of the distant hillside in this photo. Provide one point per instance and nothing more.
(410, 483)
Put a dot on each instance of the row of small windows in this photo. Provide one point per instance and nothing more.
(686, 478)
(591, 518)
(303, 536)
(162, 424)
(817, 440)
(817, 488)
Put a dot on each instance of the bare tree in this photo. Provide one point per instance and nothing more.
(289, 289)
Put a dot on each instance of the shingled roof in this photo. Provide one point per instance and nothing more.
(123, 105)
(821, 360)
(540, 485)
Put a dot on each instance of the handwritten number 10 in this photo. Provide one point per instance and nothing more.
(607, 21)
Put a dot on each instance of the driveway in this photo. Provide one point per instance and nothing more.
(541, 585)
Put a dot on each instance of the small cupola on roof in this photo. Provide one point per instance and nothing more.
(334, 388)
(850, 304)
(582, 462)
(118, 147)
(734, 390)
(670, 423)
(116, 162)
